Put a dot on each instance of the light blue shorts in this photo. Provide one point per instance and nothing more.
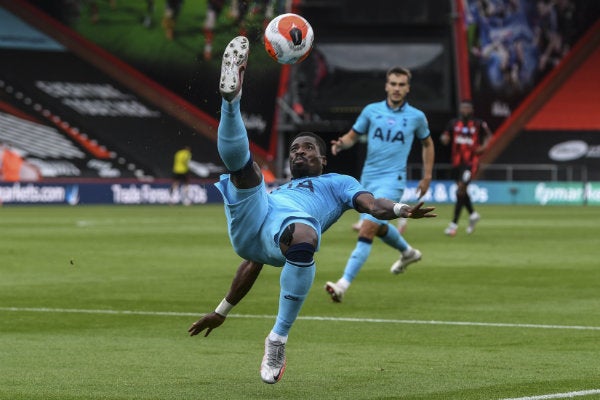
(255, 222)
(380, 189)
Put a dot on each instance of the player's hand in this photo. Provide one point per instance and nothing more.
(336, 146)
(445, 139)
(208, 322)
(418, 211)
(423, 187)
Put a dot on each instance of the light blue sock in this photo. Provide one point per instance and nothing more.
(357, 258)
(394, 239)
(295, 283)
(232, 141)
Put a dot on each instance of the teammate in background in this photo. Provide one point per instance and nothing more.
(282, 228)
(391, 126)
(181, 173)
(468, 137)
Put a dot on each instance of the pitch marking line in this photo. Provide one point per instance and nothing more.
(568, 395)
(306, 318)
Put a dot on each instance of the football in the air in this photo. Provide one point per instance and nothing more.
(289, 38)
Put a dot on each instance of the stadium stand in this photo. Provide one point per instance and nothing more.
(77, 97)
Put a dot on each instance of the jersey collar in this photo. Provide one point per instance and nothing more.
(397, 109)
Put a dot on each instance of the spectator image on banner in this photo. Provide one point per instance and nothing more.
(513, 44)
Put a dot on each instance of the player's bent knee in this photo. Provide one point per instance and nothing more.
(300, 254)
(382, 230)
(297, 233)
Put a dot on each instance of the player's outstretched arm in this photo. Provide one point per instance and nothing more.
(428, 155)
(386, 209)
(242, 282)
(417, 211)
(344, 142)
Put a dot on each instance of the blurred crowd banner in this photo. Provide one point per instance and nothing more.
(513, 44)
(482, 192)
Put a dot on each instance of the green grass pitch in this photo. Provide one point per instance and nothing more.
(95, 303)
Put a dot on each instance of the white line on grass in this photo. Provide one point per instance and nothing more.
(308, 318)
(568, 395)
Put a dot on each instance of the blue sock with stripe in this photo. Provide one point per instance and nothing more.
(357, 258)
(296, 279)
(394, 239)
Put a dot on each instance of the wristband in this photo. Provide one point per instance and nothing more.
(398, 208)
(224, 308)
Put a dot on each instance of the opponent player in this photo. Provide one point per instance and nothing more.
(282, 228)
(391, 126)
(469, 137)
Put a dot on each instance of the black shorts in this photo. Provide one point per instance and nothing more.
(462, 173)
(182, 178)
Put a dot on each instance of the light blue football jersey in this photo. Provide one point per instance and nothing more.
(390, 134)
(324, 197)
(256, 218)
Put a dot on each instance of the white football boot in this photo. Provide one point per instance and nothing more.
(410, 257)
(473, 220)
(336, 292)
(274, 362)
(233, 66)
(451, 229)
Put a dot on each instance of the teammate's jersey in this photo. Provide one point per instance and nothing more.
(467, 135)
(323, 197)
(390, 136)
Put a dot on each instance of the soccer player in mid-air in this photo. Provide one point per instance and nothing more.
(282, 228)
(469, 137)
(390, 126)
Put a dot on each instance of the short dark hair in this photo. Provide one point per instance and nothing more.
(399, 71)
(320, 141)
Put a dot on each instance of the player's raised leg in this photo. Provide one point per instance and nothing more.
(232, 141)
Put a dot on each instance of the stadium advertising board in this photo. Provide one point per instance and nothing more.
(105, 193)
(533, 193)
(577, 152)
(482, 192)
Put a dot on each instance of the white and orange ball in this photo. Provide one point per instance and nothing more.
(289, 38)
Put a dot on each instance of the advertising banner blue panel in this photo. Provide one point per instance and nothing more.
(482, 192)
(106, 193)
(492, 192)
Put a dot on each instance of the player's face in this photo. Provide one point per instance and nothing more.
(396, 88)
(466, 109)
(305, 157)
